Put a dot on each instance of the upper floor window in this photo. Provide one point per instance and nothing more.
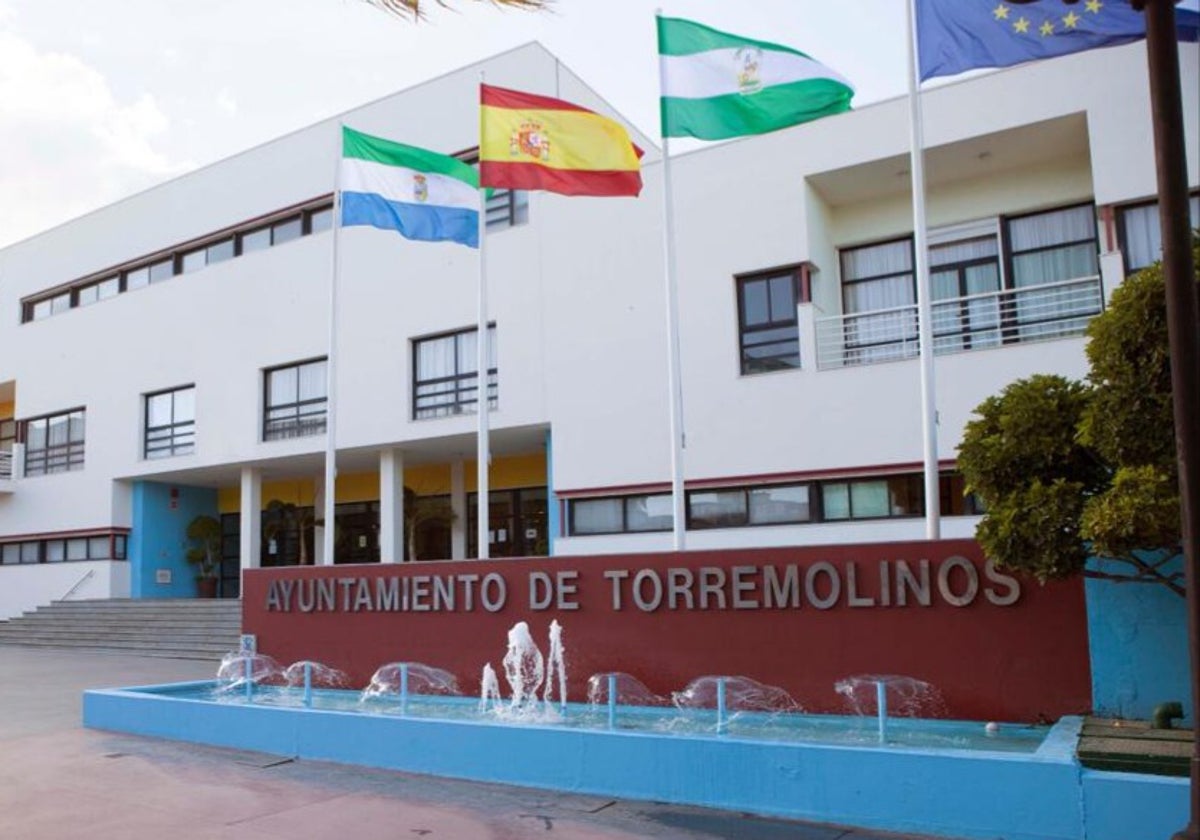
(768, 331)
(878, 290)
(444, 374)
(966, 273)
(294, 400)
(8, 434)
(1051, 249)
(1141, 233)
(54, 443)
(170, 423)
(502, 208)
(280, 227)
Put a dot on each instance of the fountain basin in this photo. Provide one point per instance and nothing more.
(1037, 793)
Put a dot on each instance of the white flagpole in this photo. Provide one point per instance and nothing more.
(924, 306)
(481, 360)
(674, 379)
(330, 372)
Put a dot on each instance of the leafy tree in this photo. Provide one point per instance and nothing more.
(415, 9)
(1068, 470)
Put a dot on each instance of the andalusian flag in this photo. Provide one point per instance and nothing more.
(716, 85)
(422, 194)
(530, 142)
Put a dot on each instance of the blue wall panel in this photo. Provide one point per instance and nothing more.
(158, 538)
(1138, 639)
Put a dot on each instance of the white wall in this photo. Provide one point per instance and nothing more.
(26, 587)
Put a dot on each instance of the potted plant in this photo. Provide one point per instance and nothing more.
(204, 536)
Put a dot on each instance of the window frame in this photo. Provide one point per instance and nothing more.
(40, 462)
(301, 417)
(180, 436)
(798, 275)
(463, 382)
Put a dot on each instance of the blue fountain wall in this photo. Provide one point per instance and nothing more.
(1137, 635)
(957, 793)
(158, 538)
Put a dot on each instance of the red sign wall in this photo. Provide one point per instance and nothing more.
(798, 618)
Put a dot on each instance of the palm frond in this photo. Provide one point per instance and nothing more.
(415, 9)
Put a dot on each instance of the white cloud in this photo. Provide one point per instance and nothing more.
(67, 143)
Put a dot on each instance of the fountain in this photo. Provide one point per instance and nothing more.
(764, 753)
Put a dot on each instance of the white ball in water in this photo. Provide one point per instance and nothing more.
(991, 727)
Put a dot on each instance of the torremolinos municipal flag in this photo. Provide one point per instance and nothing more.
(421, 194)
(958, 35)
(716, 85)
(530, 142)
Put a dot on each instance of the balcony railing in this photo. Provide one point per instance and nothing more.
(6, 461)
(973, 322)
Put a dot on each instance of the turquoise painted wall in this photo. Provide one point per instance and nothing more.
(157, 540)
(1138, 639)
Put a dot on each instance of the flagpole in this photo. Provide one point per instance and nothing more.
(330, 373)
(481, 358)
(674, 378)
(924, 306)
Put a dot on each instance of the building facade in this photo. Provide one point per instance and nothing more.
(166, 356)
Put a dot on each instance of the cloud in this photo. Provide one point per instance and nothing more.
(67, 143)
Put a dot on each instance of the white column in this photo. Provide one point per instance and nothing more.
(319, 510)
(251, 518)
(806, 321)
(391, 506)
(458, 503)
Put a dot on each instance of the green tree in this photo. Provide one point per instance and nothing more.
(1068, 470)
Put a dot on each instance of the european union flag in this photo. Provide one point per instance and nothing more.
(958, 35)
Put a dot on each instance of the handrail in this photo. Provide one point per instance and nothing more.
(6, 461)
(976, 321)
(78, 584)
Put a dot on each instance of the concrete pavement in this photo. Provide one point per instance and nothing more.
(59, 781)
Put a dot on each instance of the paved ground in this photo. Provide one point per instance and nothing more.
(59, 780)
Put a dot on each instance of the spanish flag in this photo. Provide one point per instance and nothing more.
(530, 142)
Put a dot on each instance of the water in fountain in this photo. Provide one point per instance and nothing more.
(524, 666)
(489, 689)
(556, 667)
(905, 696)
(742, 694)
(236, 668)
(422, 679)
(630, 691)
(322, 675)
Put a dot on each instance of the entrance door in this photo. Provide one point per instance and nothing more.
(517, 523)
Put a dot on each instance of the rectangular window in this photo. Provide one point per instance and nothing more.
(507, 208)
(256, 240)
(1054, 247)
(8, 434)
(54, 443)
(93, 292)
(294, 400)
(873, 498)
(193, 260)
(878, 293)
(287, 230)
(1141, 233)
(320, 219)
(621, 514)
(170, 422)
(965, 273)
(136, 278)
(444, 374)
(768, 330)
(162, 270)
(219, 251)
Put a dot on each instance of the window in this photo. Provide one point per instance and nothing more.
(170, 423)
(878, 282)
(286, 225)
(873, 498)
(8, 434)
(1054, 247)
(54, 443)
(98, 291)
(107, 546)
(444, 374)
(740, 506)
(294, 400)
(768, 330)
(1141, 233)
(517, 523)
(964, 272)
(623, 514)
(503, 208)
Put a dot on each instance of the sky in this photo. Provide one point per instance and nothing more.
(99, 100)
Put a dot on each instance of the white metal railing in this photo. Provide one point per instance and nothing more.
(973, 322)
(6, 464)
(78, 583)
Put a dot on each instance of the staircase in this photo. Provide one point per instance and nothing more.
(174, 628)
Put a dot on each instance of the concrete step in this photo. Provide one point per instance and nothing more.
(193, 629)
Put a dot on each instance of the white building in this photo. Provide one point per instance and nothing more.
(165, 356)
